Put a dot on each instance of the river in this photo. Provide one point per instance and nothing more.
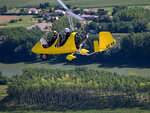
(16, 68)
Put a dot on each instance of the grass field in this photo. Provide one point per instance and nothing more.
(26, 21)
(79, 3)
(135, 110)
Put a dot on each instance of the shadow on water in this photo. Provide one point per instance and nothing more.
(79, 61)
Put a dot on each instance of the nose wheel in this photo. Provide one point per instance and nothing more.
(70, 60)
(44, 56)
(70, 57)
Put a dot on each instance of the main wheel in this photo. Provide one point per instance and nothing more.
(44, 57)
(70, 60)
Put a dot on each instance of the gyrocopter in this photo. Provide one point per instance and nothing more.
(73, 43)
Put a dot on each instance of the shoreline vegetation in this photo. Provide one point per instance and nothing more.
(76, 89)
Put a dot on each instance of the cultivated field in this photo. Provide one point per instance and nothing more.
(7, 18)
(27, 20)
(78, 3)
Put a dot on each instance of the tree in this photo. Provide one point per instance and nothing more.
(117, 9)
(93, 26)
(3, 79)
(3, 9)
(39, 20)
(78, 24)
(100, 12)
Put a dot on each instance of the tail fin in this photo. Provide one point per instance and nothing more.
(105, 41)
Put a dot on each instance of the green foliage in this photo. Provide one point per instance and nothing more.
(3, 9)
(75, 89)
(3, 79)
(44, 5)
(18, 41)
(125, 20)
(117, 9)
(129, 14)
(138, 47)
(62, 23)
(125, 26)
(39, 20)
(100, 12)
(93, 26)
(13, 21)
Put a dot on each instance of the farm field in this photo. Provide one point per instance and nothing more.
(26, 21)
(79, 3)
(6, 18)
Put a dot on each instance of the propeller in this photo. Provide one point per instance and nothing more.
(69, 12)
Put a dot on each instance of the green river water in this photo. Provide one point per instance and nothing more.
(16, 68)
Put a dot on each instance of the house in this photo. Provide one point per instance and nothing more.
(60, 12)
(77, 11)
(53, 18)
(33, 11)
(45, 14)
(89, 11)
(89, 17)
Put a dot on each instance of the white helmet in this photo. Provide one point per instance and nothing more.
(66, 30)
(54, 32)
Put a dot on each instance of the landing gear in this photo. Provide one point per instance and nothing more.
(70, 60)
(44, 56)
(70, 57)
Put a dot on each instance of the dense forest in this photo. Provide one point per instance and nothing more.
(17, 42)
(80, 88)
(123, 20)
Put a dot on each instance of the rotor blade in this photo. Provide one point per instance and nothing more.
(63, 5)
(75, 16)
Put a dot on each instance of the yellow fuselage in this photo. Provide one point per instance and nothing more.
(68, 47)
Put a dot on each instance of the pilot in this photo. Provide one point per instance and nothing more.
(54, 37)
(67, 34)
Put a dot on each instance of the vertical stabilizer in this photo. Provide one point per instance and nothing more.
(105, 41)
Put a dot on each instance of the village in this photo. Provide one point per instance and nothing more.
(44, 16)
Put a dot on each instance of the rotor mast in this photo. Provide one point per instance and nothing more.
(70, 22)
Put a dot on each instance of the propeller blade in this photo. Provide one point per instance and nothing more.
(63, 5)
(75, 16)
